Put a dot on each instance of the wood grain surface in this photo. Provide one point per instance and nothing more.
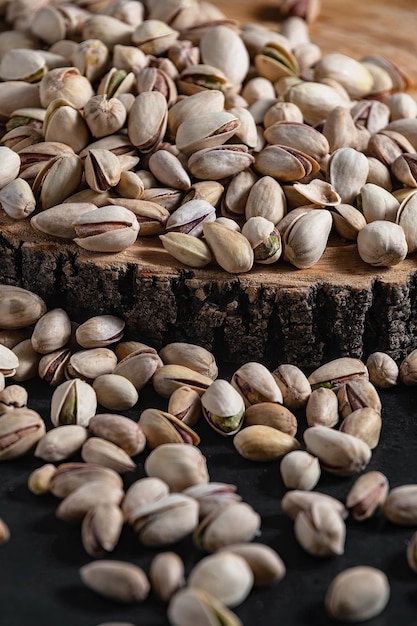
(341, 305)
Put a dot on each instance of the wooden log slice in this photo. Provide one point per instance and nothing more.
(273, 314)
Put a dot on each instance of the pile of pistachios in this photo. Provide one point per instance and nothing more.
(234, 143)
(92, 366)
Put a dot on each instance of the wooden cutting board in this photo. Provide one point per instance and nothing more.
(274, 314)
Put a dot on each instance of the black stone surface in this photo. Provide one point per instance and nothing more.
(39, 577)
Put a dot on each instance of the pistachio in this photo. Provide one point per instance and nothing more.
(166, 574)
(61, 443)
(73, 402)
(119, 430)
(75, 506)
(141, 492)
(294, 385)
(231, 249)
(338, 371)
(69, 476)
(115, 392)
(273, 415)
(52, 331)
(13, 397)
(339, 453)
(300, 470)
(185, 404)
(266, 565)
(301, 248)
(112, 228)
(357, 394)
(160, 427)
(400, 505)
(411, 552)
(223, 407)
(168, 378)
(20, 430)
(383, 370)
(263, 443)
(228, 524)
(39, 480)
(382, 244)
(178, 465)
(357, 594)
(101, 528)
(212, 495)
(99, 331)
(4, 532)
(364, 423)
(190, 605)
(367, 495)
(255, 383)
(224, 575)
(107, 453)
(187, 249)
(298, 500)
(320, 530)
(19, 307)
(117, 580)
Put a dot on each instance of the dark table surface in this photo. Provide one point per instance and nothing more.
(39, 565)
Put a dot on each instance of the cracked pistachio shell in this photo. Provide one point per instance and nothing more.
(22, 64)
(138, 367)
(300, 470)
(20, 430)
(90, 363)
(73, 402)
(357, 594)
(306, 238)
(231, 249)
(57, 221)
(19, 307)
(101, 528)
(190, 606)
(190, 355)
(347, 221)
(320, 530)
(300, 136)
(187, 249)
(357, 394)
(102, 169)
(60, 443)
(166, 574)
(223, 407)
(367, 495)
(118, 580)
(168, 378)
(339, 453)
(99, 331)
(58, 179)
(285, 164)
(185, 404)
(224, 575)
(161, 427)
(255, 383)
(201, 103)
(9, 361)
(338, 371)
(115, 392)
(178, 465)
(141, 492)
(231, 523)
(154, 36)
(111, 228)
(264, 238)
(294, 385)
(166, 521)
(212, 495)
(190, 217)
(205, 131)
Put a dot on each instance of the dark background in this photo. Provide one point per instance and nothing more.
(39, 577)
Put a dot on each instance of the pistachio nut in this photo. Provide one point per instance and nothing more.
(367, 495)
(263, 443)
(273, 415)
(178, 465)
(117, 580)
(73, 402)
(101, 528)
(400, 505)
(39, 480)
(75, 506)
(120, 430)
(20, 431)
(299, 500)
(90, 363)
(357, 594)
(382, 244)
(51, 332)
(224, 575)
(255, 383)
(9, 360)
(212, 495)
(115, 392)
(190, 605)
(337, 372)
(17, 199)
(357, 394)
(231, 249)
(223, 407)
(168, 378)
(266, 564)
(13, 397)
(364, 423)
(383, 370)
(294, 385)
(104, 452)
(322, 408)
(264, 238)
(160, 427)
(99, 331)
(300, 470)
(185, 404)
(302, 248)
(19, 307)
(320, 530)
(69, 476)
(112, 228)
(411, 552)
(231, 523)
(61, 443)
(187, 249)
(339, 453)
(141, 492)
(166, 574)
(190, 217)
